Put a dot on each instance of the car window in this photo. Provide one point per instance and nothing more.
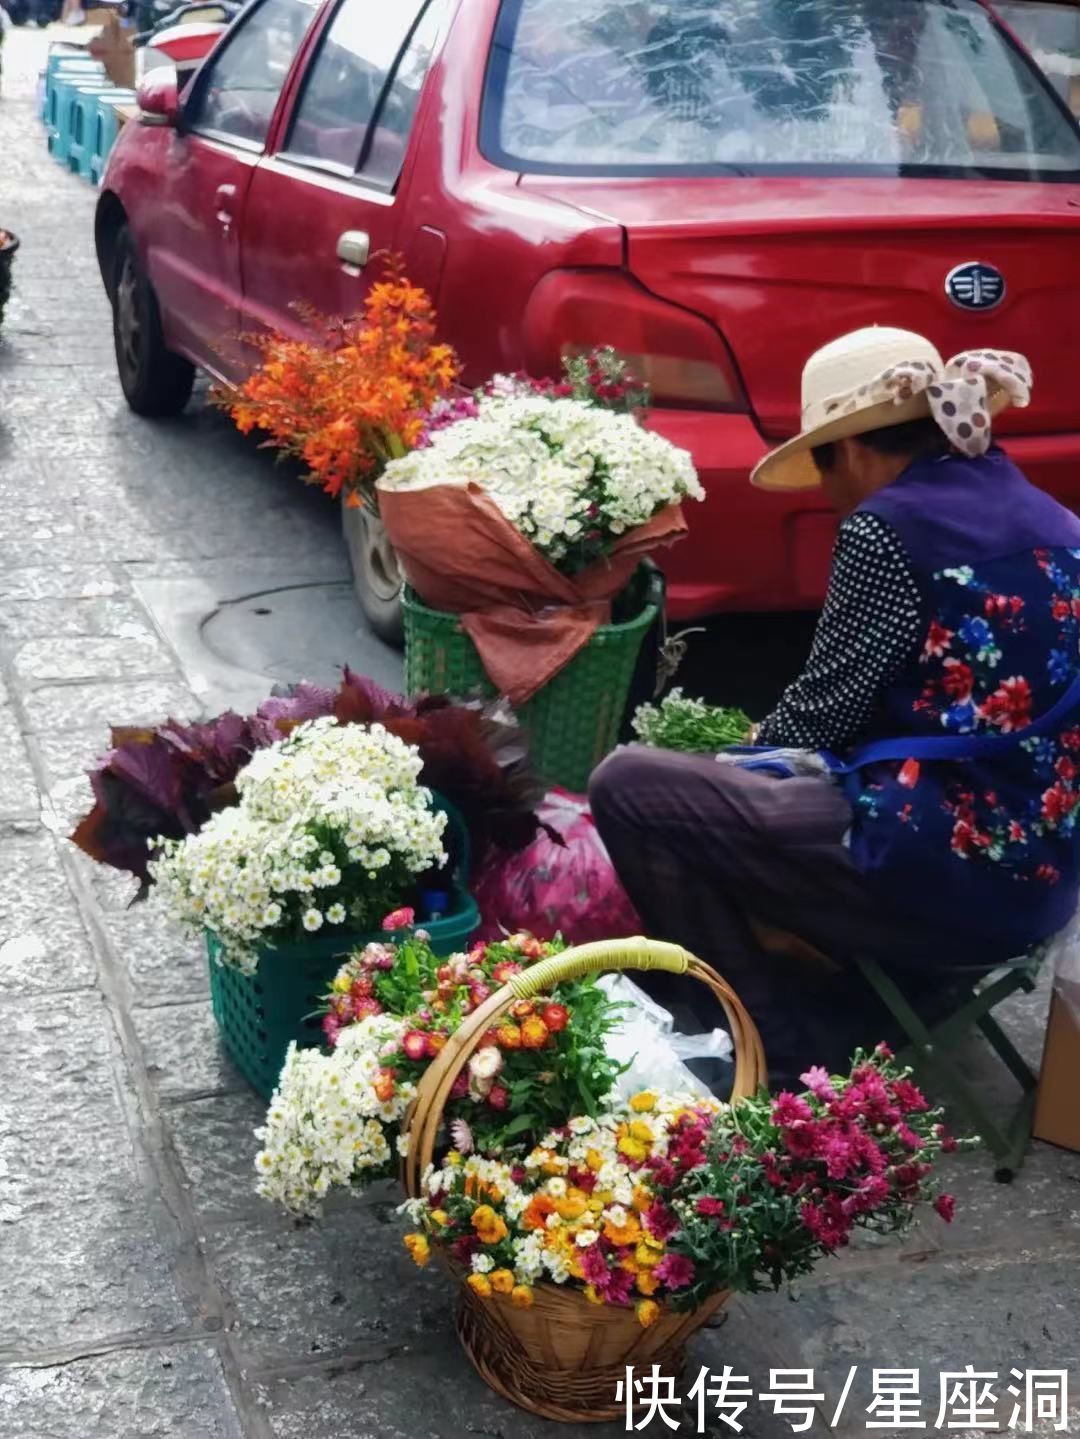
(349, 90)
(237, 93)
(384, 154)
(1052, 34)
(863, 86)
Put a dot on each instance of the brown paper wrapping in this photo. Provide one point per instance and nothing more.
(461, 554)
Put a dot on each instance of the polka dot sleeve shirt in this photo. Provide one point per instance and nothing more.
(872, 624)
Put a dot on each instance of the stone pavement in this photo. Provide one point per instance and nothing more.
(144, 1291)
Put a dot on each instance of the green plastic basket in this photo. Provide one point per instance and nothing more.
(260, 1015)
(574, 721)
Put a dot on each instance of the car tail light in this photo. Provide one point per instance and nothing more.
(681, 356)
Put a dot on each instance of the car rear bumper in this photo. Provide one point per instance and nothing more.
(748, 550)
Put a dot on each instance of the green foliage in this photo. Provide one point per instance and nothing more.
(691, 726)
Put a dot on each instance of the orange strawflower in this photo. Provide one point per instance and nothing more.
(522, 1296)
(419, 1248)
(489, 1226)
(502, 1281)
(354, 396)
(480, 1285)
(534, 1033)
(536, 1215)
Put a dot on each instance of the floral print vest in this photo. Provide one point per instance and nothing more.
(984, 848)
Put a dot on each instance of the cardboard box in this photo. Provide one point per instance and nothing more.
(1057, 1109)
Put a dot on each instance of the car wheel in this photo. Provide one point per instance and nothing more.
(154, 380)
(377, 577)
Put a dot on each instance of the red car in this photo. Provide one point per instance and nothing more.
(715, 187)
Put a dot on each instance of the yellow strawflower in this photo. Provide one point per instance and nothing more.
(522, 1296)
(502, 1281)
(480, 1285)
(648, 1312)
(643, 1102)
(419, 1248)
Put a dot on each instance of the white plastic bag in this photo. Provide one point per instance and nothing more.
(645, 1041)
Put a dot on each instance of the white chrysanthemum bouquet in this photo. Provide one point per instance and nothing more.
(571, 477)
(331, 831)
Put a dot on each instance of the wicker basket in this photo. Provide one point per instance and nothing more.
(564, 1357)
(574, 721)
(261, 1014)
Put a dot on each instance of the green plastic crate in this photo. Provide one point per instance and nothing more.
(574, 721)
(260, 1015)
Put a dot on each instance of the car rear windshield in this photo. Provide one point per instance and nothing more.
(929, 87)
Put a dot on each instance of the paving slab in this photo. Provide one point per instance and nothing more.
(87, 1246)
(176, 1391)
(183, 1052)
(43, 943)
(60, 707)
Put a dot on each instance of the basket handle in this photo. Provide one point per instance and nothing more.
(425, 1115)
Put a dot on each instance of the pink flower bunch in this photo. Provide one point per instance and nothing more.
(445, 412)
(803, 1170)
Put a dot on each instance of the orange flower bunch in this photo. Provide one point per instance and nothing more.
(354, 397)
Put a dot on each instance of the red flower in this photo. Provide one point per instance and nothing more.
(958, 681)
(676, 1271)
(1060, 609)
(1071, 738)
(945, 1205)
(415, 1044)
(1048, 874)
(830, 1230)
(660, 1221)
(710, 1208)
(938, 640)
(909, 1097)
(399, 919)
(1016, 832)
(498, 1096)
(1066, 768)
(1009, 707)
(789, 1110)
(594, 1268)
(556, 1017)
(619, 1285)
(1058, 803)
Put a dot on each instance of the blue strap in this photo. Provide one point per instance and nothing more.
(963, 747)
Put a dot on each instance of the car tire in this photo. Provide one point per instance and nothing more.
(377, 577)
(155, 382)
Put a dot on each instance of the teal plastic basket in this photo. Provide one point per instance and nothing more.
(260, 1015)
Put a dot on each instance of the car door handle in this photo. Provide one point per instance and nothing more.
(222, 195)
(354, 248)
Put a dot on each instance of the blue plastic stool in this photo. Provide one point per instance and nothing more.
(61, 67)
(106, 129)
(84, 116)
(57, 59)
(70, 91)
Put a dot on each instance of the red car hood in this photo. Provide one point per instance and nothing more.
(783, 265)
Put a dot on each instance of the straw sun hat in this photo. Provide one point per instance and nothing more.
(877, 377)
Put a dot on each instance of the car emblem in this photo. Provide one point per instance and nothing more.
(975, 286)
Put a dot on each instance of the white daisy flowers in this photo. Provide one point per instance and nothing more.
(569, 476)
(330, 829)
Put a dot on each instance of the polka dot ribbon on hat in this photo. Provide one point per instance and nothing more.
(959, 397)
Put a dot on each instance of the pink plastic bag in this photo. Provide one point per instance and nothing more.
(569, 889)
